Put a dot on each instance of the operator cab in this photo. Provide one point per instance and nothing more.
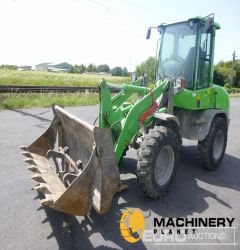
(186, 52)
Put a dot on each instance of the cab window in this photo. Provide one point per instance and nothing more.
(204, 63)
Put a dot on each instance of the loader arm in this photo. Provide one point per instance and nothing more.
(125, 120)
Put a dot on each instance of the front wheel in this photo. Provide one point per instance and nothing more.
(157, 159)
(211, 150)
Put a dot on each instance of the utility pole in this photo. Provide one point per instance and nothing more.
(233, 65)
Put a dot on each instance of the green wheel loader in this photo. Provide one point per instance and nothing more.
(76, 163)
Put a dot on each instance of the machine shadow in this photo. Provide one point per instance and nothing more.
(73, 232)
(36, 116)
(186, 197)
(187, 194)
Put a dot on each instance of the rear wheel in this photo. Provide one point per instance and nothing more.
(211, 150)
(157, 159)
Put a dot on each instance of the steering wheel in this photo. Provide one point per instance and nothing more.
(172, 62)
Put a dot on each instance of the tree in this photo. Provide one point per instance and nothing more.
(91, 68)
(103, 68)
(71, 70)
(82, 68)
(222, 72)
(148, 67)
(6, 66)
(125, 72)
(77, 69)
(237, 74)
(117, 71)
(218, 77)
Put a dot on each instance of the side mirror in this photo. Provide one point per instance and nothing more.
(159, 28)
(148, 33)
(208, 24)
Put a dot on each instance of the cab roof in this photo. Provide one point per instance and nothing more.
(197, 18)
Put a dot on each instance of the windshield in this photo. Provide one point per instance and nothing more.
(177, 52)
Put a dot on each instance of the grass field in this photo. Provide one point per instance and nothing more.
(29, 100)
(33, 78)
(15, 77)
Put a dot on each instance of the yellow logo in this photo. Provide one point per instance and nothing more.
(132, 225)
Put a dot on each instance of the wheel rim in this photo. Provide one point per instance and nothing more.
(164, 165)
(218, 145)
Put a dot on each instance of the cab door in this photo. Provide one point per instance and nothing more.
(204, 92)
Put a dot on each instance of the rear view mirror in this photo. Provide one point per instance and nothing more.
(148, 33)
(159, 28)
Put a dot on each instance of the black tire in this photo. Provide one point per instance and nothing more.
(207, 155)
(158, 140)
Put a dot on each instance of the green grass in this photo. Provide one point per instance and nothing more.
(29, 100)
(15, 77)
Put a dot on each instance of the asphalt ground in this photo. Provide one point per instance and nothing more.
(25, 224)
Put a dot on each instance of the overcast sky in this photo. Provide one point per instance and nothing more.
(103, 31)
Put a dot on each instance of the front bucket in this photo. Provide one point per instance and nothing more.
(78, 172)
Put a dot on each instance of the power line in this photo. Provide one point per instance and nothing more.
(152, 11)
(136, 30)
(109, 10)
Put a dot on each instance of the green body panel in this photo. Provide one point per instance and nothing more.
(214, 97)
(195, 100)
(221, 98)
(185, 100)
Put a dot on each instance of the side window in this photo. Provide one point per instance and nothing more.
(204, 64)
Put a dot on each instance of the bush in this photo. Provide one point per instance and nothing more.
(117, 71)
(227, 86)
